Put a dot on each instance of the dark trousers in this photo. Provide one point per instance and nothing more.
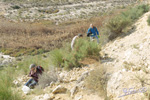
(31, 83)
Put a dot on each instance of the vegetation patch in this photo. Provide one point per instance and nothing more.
(6, 78)
(97, 82)
(16, 7)
(119, 23)
(69, 59)
(22, 51)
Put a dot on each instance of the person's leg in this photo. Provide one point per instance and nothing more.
(91, 38)
(33, 83)
(97, 39)
(28, 82)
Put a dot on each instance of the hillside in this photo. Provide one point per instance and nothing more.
(31, 28)
(127, 62)
(118, 69)
(58, 11)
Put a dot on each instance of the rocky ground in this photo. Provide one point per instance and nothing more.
(131, 64)
(59, 13)
(127, 60)
(6, 59)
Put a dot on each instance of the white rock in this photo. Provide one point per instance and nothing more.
(124, 70)
(78, 97)
(82, 77)
(59, 89)
(73, 90)
(52, 84)
(25, 89)
(114, 82)
(46, 97)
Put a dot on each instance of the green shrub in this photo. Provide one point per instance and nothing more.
(57, 57)
(117, 24)
(6, 78)
(148, 20)
(144, 7)
(16, 7)
(69, 59)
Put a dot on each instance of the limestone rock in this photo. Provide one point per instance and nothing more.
(78, 97)
(59, 89)
(83, 76)
(73, 90)
(52, 84)
(46, 97)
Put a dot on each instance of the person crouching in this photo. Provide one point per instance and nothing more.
(35, 71)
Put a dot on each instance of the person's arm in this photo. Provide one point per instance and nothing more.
(97, 32)
(29, 74)
(89, 30)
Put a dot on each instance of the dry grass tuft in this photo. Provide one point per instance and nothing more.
(47, 77)
(97, 81)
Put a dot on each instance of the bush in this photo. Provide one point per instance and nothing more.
(69, 59)
(148, 20)
(47, 77)
(117, 24)
(6, 78)
(144, 7)
(97, 81)
(57, 57)
(16, 7)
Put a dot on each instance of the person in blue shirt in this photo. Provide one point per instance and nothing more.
(93, 33)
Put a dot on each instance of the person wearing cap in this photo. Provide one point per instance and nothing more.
(35, 71)
(73, 40)
(93, 33)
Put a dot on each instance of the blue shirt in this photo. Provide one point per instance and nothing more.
(94, 31)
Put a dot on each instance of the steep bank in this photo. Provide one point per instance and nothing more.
(131, 61)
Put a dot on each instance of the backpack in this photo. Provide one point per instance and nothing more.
(40, 69)
(90, 33)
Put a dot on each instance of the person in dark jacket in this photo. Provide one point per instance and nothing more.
(35, 71)
(93, 33)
